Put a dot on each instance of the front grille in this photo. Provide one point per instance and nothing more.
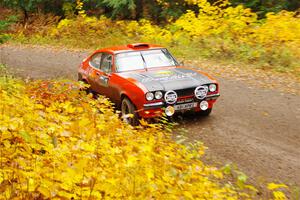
(185, 92)
(187, 95)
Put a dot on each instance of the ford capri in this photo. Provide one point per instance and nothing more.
(145, 81)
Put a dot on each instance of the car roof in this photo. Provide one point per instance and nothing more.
(130, 47)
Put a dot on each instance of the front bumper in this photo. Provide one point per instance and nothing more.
(156, 109)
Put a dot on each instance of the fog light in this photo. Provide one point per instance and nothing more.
(204, 105)
(170, 111)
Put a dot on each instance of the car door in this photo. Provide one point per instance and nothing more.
(94, 67)
(102, 75)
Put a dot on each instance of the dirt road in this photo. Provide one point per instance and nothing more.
(257, 129)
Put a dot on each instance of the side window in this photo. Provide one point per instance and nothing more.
(95, 60)
(106, 63)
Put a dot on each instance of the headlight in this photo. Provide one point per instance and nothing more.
(149, 96)
(158, 95)
(212, 87)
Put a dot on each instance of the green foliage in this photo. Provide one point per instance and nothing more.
(69, 9)
(4, 38)
(25, 5)
(4, 24)
(4, 27)
(156, 10)
(263, 7)
(118, 7)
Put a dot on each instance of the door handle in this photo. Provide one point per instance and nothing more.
(98, 73)
(104, 78)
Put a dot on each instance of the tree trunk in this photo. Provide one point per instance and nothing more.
(139, 9)
(25, 15)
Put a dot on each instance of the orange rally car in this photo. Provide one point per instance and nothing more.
(145, 81)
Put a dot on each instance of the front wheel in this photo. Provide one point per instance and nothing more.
(128, 112)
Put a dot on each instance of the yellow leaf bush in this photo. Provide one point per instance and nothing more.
(217, 20)
(236, 32)
(58, 143)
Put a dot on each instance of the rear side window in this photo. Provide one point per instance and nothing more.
(95, 61)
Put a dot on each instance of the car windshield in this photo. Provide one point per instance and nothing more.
(144, 59)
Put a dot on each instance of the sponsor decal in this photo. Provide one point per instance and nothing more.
(169, 77)
(163, 73)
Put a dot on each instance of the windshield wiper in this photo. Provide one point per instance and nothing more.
(170, 56)
(145, 65)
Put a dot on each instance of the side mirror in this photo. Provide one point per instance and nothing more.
(181, 63)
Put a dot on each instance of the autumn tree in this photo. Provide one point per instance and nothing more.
(156, 10)
(261, 7)
(25, 6)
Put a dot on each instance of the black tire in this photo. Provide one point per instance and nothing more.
(128, 108)
(205, 113)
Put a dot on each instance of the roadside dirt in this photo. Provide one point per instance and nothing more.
(256, 128)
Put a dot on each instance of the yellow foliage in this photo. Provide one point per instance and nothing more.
(79, 7)
(236, 31)
(278, 195)
(275, 189)
(216, 20)
(273, 186)
(57, 142)
(283, 27)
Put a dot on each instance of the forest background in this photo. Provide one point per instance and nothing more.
(256, 33)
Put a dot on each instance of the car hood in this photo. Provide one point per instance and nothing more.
(168, 79)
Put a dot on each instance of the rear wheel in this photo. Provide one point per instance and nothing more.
(128, 112)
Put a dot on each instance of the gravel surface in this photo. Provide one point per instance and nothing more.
(256, 128)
